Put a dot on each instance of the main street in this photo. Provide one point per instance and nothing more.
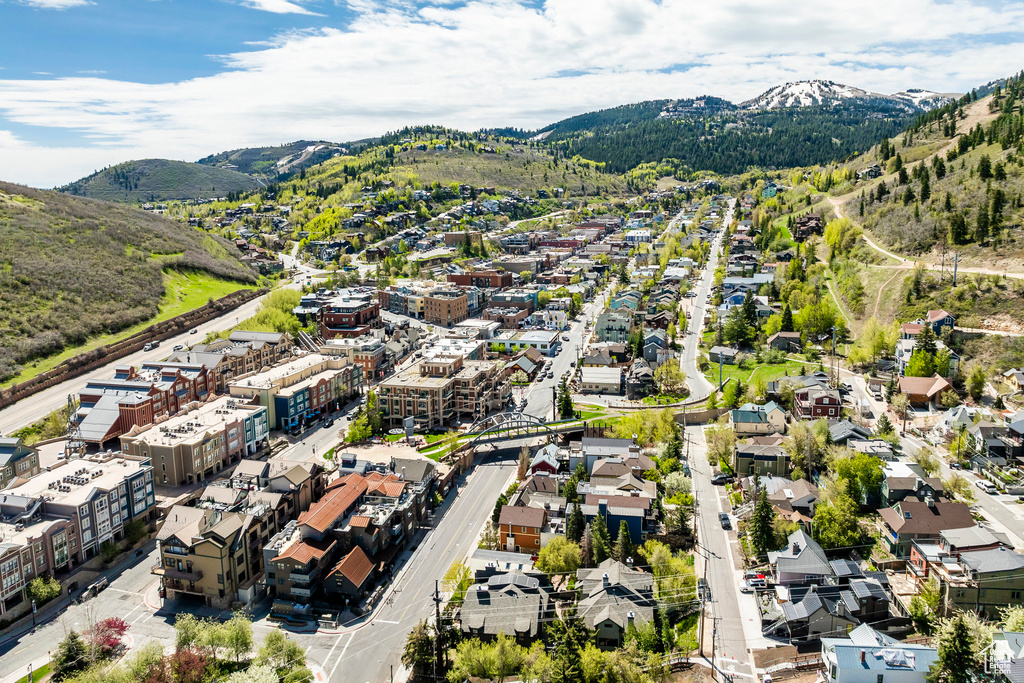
(700, 388)
(732, 620)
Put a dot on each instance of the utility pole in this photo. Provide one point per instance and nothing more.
(719, 371)
(437, 625)
(956, 262)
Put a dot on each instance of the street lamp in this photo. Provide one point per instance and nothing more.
(33, 624)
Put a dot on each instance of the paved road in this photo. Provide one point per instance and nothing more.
(40, 405)
(730, 615)
(700, 388)
(367, 653)
(1000, 508)
(539, 395)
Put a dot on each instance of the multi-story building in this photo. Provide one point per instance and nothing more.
(199, 442)
(436, 391)
(445, 307)
(109, 408)
(299, 390)
(614, 326)
(515, 298)
(349, 315)
(241, 353)
(545, 341)
(17, 461)
(485, 279)
(367, 351)
(214, 554)
(811, 403)
(402, 300)
(60, 518)
(510, 318)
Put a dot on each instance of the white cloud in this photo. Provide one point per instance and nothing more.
(500, 62)
(278, 6)
(55, 4)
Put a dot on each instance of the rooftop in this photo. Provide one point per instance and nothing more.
(73, 482)
(195, 422)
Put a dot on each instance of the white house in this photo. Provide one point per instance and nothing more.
(867, 656)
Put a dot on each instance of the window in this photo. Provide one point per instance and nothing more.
(1015, 595)
(220, 578)
(878, 679)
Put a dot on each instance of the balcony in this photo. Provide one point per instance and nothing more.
(305, 578)
(396, 530)
(176, 574)
(300, 592)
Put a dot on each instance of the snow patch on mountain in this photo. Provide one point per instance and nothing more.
(829, 93)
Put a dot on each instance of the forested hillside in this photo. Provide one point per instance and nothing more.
(966, 194)
(72, 267)
(730, 143)
(158, 180)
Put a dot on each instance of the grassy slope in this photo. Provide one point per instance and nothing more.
(525, 171)
(159, 180)
(73, 269)
(185, 291)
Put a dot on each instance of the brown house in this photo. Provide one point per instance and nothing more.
(519, 528)
(352, 576)
(923, 390)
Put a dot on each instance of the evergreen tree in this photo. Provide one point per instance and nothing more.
(587, 547)
(624, 544)
(926, 189)
(984, 167)
(981, 225)
(957, 228)
(956, 663)
(761, 531)
(72, 656)
(947, 204)
(787, 319)
(884, 426)
(601, 542)
(750, 308)
(926, 341)
(565, 407)
(576, 525)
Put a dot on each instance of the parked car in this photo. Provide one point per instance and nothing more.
(723, 517)
(329, 422)
(178, 347)
(193, 330)
(753, 585)
(986, 486)
(565, 337)
(147, 347)
(721, 479)
(703, 589)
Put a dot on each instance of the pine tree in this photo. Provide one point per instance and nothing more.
(787, 319)
(981, 225)
(587, 548)
(984, 167)
(761, 531)
(624, 544)
(602, 543)
(577, 523)
(956, 663)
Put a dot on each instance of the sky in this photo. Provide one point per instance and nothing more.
(85, 84)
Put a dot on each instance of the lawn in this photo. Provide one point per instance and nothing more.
(589, 411)
(768, 373)
(183, 291)
(663, 399)
(37, 674)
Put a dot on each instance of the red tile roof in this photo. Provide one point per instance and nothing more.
(325, 512)
(303, 551)
(355, 566)
(359, 521)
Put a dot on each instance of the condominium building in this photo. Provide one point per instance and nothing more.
(60, 518)
(436, 391)
(349, 315)
(494, 279)
(199, 442)
(299, 390)
(17, 461)
(214, 554)
(109, 408)
(367, 351)
(446, 307)
(241, 353)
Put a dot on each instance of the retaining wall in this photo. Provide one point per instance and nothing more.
(90, 360)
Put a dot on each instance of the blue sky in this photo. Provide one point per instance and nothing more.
(88, 83)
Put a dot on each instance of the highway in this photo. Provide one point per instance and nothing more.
(700, 388)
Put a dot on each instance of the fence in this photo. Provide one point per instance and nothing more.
(90, 360)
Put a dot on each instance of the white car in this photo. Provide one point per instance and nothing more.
(986, 486)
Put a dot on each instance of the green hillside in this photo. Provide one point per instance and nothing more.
(158, 180)
(73, 268)
(269, 162)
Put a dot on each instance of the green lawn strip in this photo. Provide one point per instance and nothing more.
(184, 291)
(37, 674)
(769, 373)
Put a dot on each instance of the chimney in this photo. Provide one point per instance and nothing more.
(796, 547)
(629, 618)
(863, 657)
(604, 580)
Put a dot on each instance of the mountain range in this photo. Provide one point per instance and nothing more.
(795, 124)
